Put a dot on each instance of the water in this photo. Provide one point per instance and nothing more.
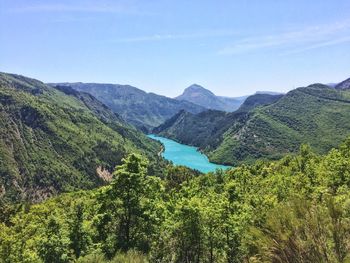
(181, 154)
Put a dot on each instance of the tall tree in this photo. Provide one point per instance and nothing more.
(78, 236)
(128, 207)
(54, 245)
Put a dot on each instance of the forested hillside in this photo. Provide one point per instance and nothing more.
(316, 114)
(293, 210)
(143, 110)
(258, 99)
(58, 140)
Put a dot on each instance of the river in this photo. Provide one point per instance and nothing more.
(181, 154)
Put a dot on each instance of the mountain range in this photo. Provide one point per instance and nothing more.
(267, 127)
(60, 137)
(148, 110)
(141, 109)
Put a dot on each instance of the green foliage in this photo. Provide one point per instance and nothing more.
(128, 213)
(53, 246)
(293, 210)
(53, 141)
(129, 257)
(78, 235)
(302, 231)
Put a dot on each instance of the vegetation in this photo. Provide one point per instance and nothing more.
(59, 140)
(55, 140)
(317, 115)
(143, 110)
(259, 99)
(293, 210)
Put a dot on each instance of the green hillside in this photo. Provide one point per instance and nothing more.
(258, 99)
(317, 115)
(143, 110)
(55, 140)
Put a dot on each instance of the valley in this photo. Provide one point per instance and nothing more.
(96, 189)
(174, 131)
(148, 110)
(266, 126)
(143, 110)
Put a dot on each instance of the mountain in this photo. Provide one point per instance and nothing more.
(317, 114)
(259, 99)
(58, 140)
(143, 110)
(332, 85)
(205, 98)
(196, 129)
(205, 129)
(343, 85)
(269, 92)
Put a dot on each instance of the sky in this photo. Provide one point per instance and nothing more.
(231, 47)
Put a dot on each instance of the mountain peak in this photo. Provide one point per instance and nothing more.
(195, 88)
(205, 98)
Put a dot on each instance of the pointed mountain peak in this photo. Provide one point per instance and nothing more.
(196, 90)
(205, 98)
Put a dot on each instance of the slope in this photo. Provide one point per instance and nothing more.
(317, 115)
(57, 140)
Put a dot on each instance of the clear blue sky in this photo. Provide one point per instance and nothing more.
(231, 47)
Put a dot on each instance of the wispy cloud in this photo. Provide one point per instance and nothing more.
(298, 40)
(121, 7)
(333, 42)
(160, 37)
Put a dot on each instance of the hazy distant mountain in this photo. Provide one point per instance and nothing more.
(332, 85)
(343, 85)
(205, 98)
(269, 92)
(143, 110)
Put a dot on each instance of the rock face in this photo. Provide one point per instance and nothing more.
(205, 98)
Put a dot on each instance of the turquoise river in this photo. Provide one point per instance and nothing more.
(181, 154)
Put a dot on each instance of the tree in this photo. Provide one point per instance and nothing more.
(79, 238)
(54, 245)
(129, 207)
